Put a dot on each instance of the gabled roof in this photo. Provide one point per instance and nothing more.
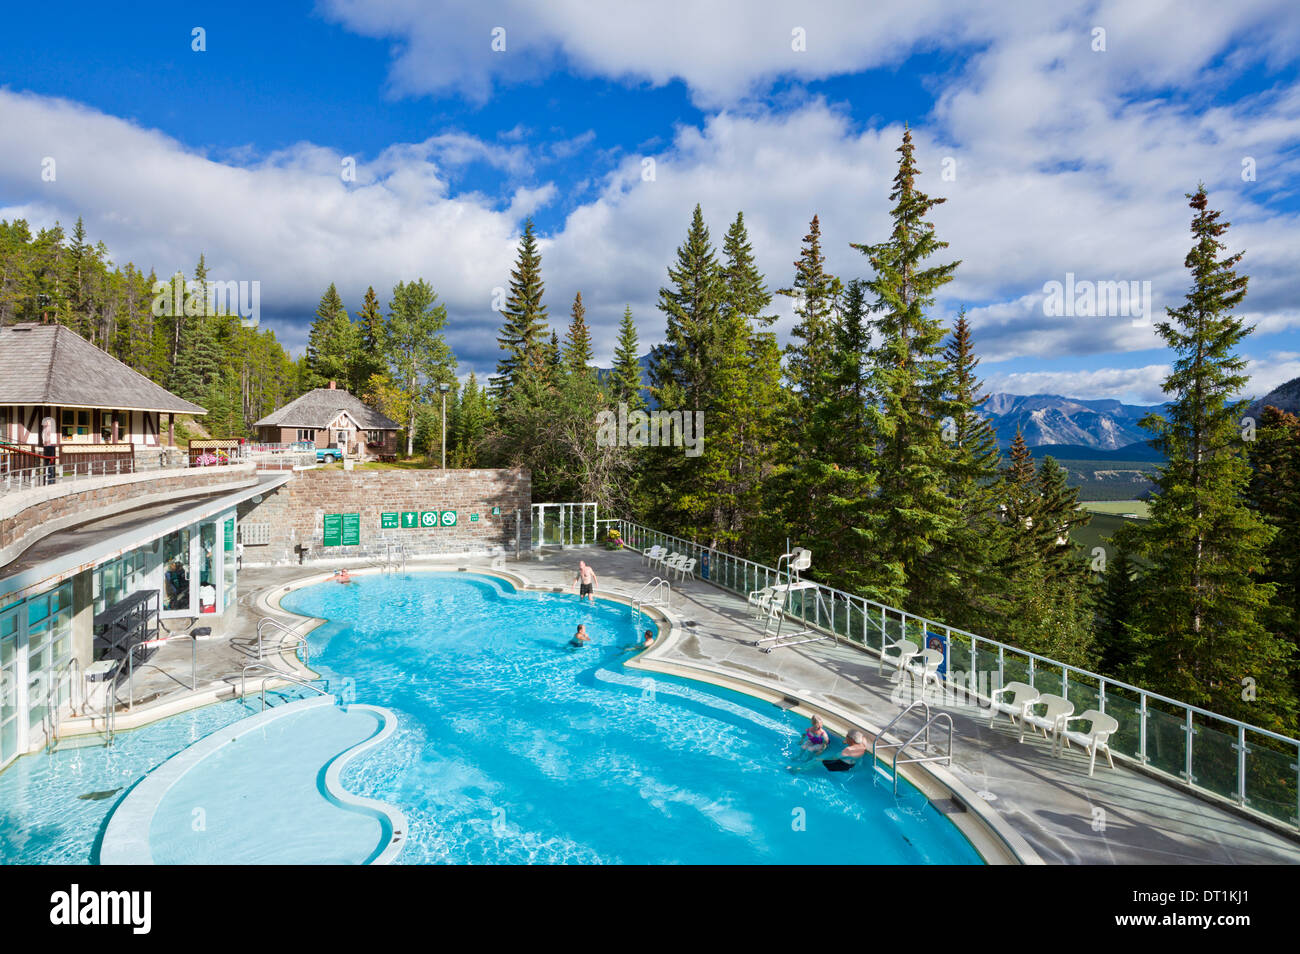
(51, 364)
(319, 407)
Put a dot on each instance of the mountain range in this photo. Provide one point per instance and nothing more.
(1054, 419)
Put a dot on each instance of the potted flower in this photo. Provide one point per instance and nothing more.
(613, 539)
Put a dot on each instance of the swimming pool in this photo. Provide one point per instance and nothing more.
(514, 747)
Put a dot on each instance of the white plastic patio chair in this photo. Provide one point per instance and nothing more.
(1055, 711)
(906, 649)
(662, 559)
(1100, 727)
(1020, 693)
(757, 600)
(672, 562)
(925, 667)
(649, 556)
(684, 569)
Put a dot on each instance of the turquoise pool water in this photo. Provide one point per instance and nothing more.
(514, 747)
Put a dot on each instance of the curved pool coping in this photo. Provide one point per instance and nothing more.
(126, 836)
(994, 839)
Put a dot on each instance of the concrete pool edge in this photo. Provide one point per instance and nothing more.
(992, 838)
(126, 839)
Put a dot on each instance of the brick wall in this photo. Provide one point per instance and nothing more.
(294, 512)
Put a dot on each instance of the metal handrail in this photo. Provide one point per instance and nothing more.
(657, 592)
(901, 759)
(243, 676)
(50, 717)
(294, 679)
(894, 721)
(300, 637)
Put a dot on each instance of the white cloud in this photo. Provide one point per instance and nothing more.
(1067, 161)
(1131, 385)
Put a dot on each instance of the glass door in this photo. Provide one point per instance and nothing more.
(10, 680)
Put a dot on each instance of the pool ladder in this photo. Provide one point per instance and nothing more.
(923, 733)
(658, 592)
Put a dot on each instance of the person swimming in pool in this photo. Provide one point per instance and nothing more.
(855, 747)
(646, 642)
(815, 737)
(342, 576)
(580, 638)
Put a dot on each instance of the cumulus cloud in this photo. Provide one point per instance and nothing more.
(1054, 159)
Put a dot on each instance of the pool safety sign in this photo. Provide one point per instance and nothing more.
(410, 519)
(431, 519)
(341, 529)
(389, 521)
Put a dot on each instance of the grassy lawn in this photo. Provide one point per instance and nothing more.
(1139, 508)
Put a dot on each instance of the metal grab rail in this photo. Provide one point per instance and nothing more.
(900, 757)
(657, 592)
(293, 679)
(50, 717)
(287, 631)
(276, 674)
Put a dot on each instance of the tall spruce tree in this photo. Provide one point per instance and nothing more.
(523, 334)
(1275, 494)
(816, 293)
(1202, 600)
(577, 340)
(333, 344)
(625, 377)
(911, 514)
(1115, 645)
(370, 350)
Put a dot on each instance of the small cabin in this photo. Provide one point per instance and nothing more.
(331, 416)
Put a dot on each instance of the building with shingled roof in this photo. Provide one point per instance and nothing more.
(331, 416)
(85, 398)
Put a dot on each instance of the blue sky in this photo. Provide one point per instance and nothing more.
(1056, 156)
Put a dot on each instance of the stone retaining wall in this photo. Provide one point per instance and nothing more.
(291, 518)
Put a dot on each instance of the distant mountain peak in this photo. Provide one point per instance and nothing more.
(1105, 424)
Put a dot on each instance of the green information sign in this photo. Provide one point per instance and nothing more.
(410, 519)
(448, 518)
(351, 529)
(428, 518)
(230, 535)
(473, 518)
(496, 511)
(332, 525)
(389, 521)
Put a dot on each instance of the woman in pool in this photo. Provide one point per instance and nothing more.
(580, 638)
(815, 737)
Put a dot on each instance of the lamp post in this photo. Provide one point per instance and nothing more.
(444, 388)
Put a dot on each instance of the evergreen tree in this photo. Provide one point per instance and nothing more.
(370, 351)
(911, 513)
(1059, 516)
(625, 378)
(972, 554)
(199, 364)
(680, 367)
(1115, 646)
(810, 358)
(1275, 494)
(469, 425)
(333, 344)
(522, 336)
(1202, 600)
(577, 341)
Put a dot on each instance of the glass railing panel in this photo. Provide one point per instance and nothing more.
(1271, 780)
(1166, 741)
(1214, 755)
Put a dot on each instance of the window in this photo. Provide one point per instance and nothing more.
(307, 434)
(176, 571)
(76, 423)
(228, 563)
(208, 558)
(106, 420)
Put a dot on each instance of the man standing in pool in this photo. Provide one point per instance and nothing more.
(586, 580)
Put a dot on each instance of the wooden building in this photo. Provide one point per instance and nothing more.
(331, 416)
(59, 390)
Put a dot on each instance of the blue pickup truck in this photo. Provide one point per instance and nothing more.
(324, 455)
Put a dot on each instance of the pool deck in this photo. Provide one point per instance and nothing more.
(1120, 816)
(1051, 802)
